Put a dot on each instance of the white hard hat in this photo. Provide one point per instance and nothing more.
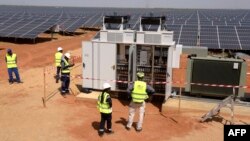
(59, 49)
(106, 85)
(67, 55)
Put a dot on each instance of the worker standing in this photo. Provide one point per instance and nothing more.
(58, 58)
(139, 92)
(65, 73)
(105, 108)
(11, 61)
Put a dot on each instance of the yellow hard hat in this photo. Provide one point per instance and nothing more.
(140, 74)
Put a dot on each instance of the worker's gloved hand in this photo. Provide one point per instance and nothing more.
(129, 98)
(150, 97)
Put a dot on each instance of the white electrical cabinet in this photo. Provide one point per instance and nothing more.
(117, 55)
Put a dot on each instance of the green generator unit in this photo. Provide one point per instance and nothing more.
(219, 71)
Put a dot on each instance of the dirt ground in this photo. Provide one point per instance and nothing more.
(23, 117)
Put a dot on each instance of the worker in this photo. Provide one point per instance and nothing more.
(139, 91)
(11, 61)
(105, 108)
(65, 73)
(58, 58)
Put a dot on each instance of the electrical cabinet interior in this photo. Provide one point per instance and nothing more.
(160, 68)
(122, 66)
(152, 60)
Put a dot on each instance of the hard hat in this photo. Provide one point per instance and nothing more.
(140, 74)
(9, 50)
(67, 55)
(106, 85)
(59, 49)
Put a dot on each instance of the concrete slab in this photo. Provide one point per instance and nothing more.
(90, 96)
(172, 107)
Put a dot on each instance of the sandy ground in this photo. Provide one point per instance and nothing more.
(23, 117)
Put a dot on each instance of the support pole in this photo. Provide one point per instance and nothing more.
(232, 105)
(44, 88)
(179, 100)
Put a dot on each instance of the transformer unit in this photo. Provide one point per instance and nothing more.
(220, 71)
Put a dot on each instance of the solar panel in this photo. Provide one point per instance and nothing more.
(209, 37)
(189, 35)
(202, 23)
(228, 37)
(75, 25)
(176, 29)
(94, 21)
(4, 32)
(244, 36)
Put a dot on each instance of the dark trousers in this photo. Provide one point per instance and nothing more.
(65, 83)
(10, 72)
(105, 118)
(58, 69)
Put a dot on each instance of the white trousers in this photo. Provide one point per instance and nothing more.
(132, 109)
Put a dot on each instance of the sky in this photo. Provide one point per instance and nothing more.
(200, 4)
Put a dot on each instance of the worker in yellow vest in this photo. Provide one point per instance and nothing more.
(65, 73)
(58, 58)
(11, 61)
(138, 91)
(104, 105)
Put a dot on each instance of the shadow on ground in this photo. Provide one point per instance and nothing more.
(95, 125)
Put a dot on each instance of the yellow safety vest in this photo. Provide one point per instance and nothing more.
(139, 93)
(67, 70)
(11, 61)
(103, 107)
(58, 57)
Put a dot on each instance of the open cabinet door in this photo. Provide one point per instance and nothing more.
(132, 63)
(106, 68)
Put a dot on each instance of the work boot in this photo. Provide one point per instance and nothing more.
(138, 129)
(110, 131)
(127, 128)
(101, 133)
(19, 82)
(11, 81)
(67, 92)
(63, 93)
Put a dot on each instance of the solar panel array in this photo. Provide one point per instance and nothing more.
(215, 29)
(29, 22)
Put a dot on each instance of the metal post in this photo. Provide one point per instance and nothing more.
(232, 106)
(44, 88)
(179, 100)
(152, 69)
(168, 89)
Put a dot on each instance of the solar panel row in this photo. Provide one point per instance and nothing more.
(216, 29)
